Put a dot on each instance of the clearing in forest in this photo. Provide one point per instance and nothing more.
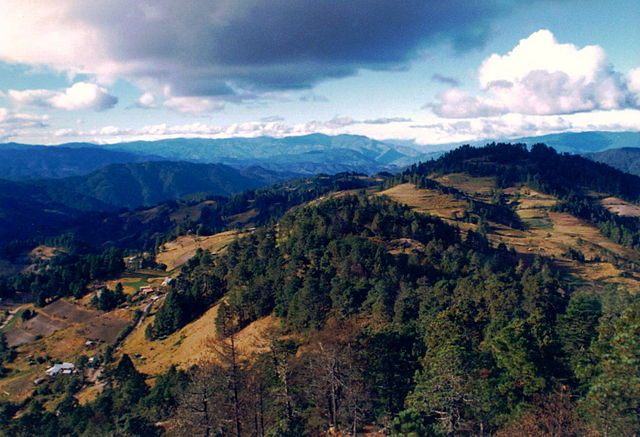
(177, 252)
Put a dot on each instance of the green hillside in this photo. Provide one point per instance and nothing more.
(489, 292)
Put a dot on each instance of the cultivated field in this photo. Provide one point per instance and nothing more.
(620, 206)
(468, 184)
(548, 233)
(427, 201)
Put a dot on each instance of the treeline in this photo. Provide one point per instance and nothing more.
(553, 173)
(67, 274)
(476, 212)
(193, 292)
(624, 230)
(568, 177)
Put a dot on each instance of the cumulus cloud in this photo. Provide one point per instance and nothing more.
(146, 100)
(218, 47)
(79, 96)
(541, 76)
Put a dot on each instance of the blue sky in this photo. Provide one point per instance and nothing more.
(422, 70)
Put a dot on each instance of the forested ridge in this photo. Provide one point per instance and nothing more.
(389, 320)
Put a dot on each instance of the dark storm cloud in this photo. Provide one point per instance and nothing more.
(214, 47)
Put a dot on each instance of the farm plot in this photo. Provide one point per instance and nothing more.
(66, 311)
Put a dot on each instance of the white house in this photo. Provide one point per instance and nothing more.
(60, 368)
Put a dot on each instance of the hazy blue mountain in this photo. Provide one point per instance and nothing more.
(27, 211)
(133, 185)
(302, 154)
(20, 162)
(571, 142)
(44, 206)
(585, 142)
(626, 159)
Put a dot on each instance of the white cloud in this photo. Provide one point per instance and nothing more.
(11, 118)
(193, 105)
(146, 100)
(634, 83)
(14, 124)
(79, 96)
(542, 77)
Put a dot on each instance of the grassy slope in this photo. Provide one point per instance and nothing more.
(549, 233)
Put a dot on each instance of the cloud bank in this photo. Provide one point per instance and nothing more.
(543, 77)
(224, 48)
(79, 96)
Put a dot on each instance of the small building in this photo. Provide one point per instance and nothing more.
(168, 281)
(90, 344)
(60, 369)
(146, 289)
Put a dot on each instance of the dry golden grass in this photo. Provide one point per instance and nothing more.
(426, 201)
(89, 394)
(44, 252)
(190, 344)
(548, 233)
(177, 252)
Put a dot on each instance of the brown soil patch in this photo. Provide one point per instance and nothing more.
(621, 207)
(17, 336)
(69, 312)
(106, 327)
(242, 218)
(43, 324)
(192, 212)
(468, 184)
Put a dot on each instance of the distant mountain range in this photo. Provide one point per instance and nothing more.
(21, 162)
(54, 185)
(37, 207)
(305, 155)
(300, 155)
(569, 142)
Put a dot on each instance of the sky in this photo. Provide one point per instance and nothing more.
(426, 71)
